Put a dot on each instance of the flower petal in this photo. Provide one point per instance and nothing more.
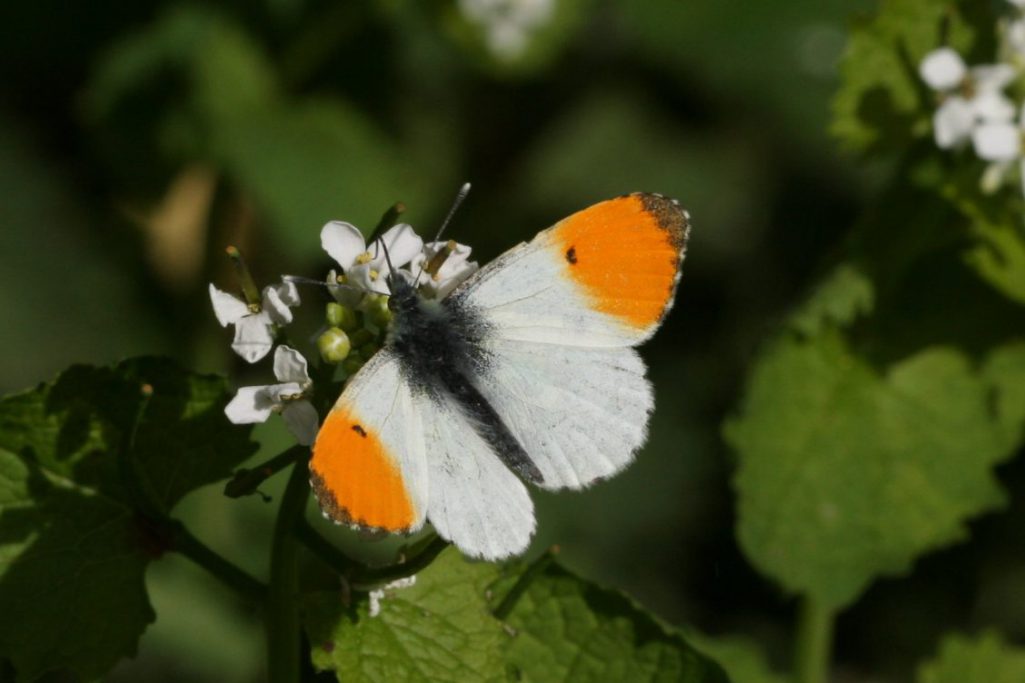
(942, 69)
(370, 277)
(275, 307)
(343, 242)
(993, 105)
(455, 269)
(249, 406)
(302, 420)
(953, 121)
(992, 76)
(994, 176)
(403, 245)
(288, 293)
(290, 366)
(253, 337)
(277, 393)
(227, 308)
(997, 141)
(347, 295)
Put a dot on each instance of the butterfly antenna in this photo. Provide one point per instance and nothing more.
(456, 203)
(460, 196)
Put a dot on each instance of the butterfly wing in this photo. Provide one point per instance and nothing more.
(388, 457)
(369, 466)
(562, 313)
(475, 500)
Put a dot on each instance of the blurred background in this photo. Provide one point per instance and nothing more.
(140, 138)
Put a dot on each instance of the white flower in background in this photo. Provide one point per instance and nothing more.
(970, 96)
(453, 270)
(508, 25)
(375, 596)
(255, 404)
(254, 325)
(1001, 143)
(366, 266)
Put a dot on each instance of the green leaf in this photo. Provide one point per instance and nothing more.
(986, 659)
(847, 472)
(559, 628)
(882, 104)
(439, 629)
(1005, 372)
(567, 629)
(742, 658)
(998, 255)
(73, 548)
(842, 297)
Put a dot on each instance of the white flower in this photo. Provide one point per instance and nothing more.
(1000, 142)
(365, 266)
(375, 596)
(255, 404)
(254, 325)
(455, 268)
(508, 25)
(970, 96)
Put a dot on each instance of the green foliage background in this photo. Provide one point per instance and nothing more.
(840, 392)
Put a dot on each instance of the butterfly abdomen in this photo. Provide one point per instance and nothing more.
(440, 346)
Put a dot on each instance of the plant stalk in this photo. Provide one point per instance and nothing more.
(815, 623)
(284, 639)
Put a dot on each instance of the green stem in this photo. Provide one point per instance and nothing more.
(522, 584)
(815, 623)
(369, 577)
(191, 547)
(284, 639)
(246, 481)
(326, 551)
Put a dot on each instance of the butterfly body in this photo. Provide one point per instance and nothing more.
(440, 347)
(525, 373)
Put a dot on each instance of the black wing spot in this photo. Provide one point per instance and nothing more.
(571, 256)
(359, 430)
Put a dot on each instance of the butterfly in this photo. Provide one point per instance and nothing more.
(525, 373)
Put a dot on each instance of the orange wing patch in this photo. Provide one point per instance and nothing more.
(626, 253)
(355, 477)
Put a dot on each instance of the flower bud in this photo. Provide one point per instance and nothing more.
(361, 337)
(334, 345)
(352, 364)
(342, 316)
(378, 311)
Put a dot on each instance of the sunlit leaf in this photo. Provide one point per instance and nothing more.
(439, 629)
(848, 472)
(985, 659)
(567, 629)
(882, 104)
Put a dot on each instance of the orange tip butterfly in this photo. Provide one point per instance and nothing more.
(524, 373)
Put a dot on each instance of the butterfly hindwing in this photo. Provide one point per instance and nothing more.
(580, 412)
(369, 465)
(475, 500)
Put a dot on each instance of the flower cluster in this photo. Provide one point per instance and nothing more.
(974, 105)
(356, 321)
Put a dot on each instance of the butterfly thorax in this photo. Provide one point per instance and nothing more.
(440, 346)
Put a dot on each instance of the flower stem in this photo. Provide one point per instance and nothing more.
(284, 639)
(246, 481)
(522, 584)
(191, 547)
(377, 575)
(815, 623)
(326, 551)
